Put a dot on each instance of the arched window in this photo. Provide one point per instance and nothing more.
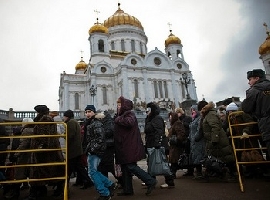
(169, 55)
(132, 46)
(112, 45)
(136, 89)
(178, 52)
(101, 46)
(76, 101)
(104, 92)
(156, 89)
(122, 45)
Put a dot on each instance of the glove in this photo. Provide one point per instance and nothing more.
(244, 136)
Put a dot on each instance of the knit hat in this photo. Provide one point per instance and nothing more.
(194, 107)
(232, 107)
(256, 73)
(41, 109)
(90, 107)
(69, 114)
(180, 110)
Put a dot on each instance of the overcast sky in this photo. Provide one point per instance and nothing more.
(39, 39)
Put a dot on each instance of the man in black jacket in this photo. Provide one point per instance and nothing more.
(257, 103)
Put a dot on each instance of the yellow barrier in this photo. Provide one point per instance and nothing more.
(65, 178)
(239, 137)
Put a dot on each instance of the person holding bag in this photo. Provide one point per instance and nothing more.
(177, 138)
(155, 138)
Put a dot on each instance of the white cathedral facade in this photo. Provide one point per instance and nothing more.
(120, 65)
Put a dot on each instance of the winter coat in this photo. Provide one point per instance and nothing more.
(108, 125)
(95, 135)
(23, 157)
(197, 143)
(45, 157)
(74, 139)
(127, 137)
(177, 129)
(257, 104)
(154, 128)
(3, 142)
(217, 142)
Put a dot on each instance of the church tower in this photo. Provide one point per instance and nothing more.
(264, 51)
(98, 38)
(173, 47)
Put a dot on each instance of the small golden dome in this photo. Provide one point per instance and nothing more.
(265, 47)
(122, 18)
(172, 39)
(81, 65)
(98, 27)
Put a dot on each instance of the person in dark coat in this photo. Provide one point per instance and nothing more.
(177, 138)
(186, 121)
(257, 104)
(106, 164)
(20, 158)
(3, 145)
(129, 147)
(217, 142)
(38, 188)
(155, 135)
(75, 151)
(96, 147)
(197, 143)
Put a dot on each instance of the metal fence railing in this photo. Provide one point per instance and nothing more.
(37, 150)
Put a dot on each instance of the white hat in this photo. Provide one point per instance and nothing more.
(232, 107)
(27, 120)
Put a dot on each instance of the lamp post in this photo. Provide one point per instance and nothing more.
(93, 92)
(185, 80)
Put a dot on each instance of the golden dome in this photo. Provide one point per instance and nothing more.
(265, 47)
(122, 18)
(98, 27)
(81, 65)
(172, 39)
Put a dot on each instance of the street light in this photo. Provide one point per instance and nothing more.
(93, 92)
(185, 80)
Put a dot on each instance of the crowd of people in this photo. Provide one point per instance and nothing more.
(99, 143)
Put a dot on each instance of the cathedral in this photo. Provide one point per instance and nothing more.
(121, 65)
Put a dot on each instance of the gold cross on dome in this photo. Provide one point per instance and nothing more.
(170, 25)
(81, 53)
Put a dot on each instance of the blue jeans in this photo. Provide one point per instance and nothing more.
(101, 182)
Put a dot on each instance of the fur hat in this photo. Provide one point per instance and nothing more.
(69, 114)
(201, 104)
(256, 73)
(180, 110)
(90, 107)
(53, 113)
(41, 109)
(232, 107)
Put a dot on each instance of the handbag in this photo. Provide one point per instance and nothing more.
(183, 161)
(212, 163)
(251, 155)
(157, 162)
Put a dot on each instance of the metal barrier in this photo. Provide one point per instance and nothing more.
(65, 177)
(235, 136)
